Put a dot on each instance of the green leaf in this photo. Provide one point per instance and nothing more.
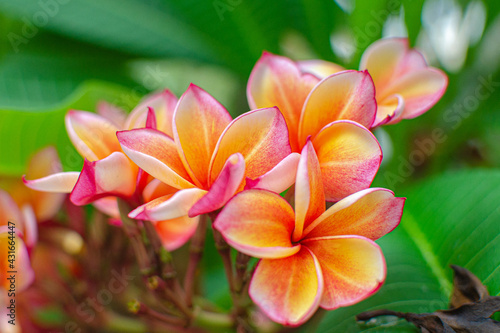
(130, 25)
(38, 76)
(413, 18)
(451, 219)
(23, 132)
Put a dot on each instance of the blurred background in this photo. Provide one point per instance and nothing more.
(61, 54)
(57, 55)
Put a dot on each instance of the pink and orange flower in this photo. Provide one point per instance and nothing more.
(310, 257)
(209, 155)
(107, 173)
(406, 87)
(335, 112)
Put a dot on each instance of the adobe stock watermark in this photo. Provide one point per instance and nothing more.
(224, 6)
(88, 309)
(454, 116)
(372, 28)
(31, 25)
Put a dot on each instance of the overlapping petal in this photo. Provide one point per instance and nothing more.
(383, 57)
(279, 178)
(346, 95)
(277, 81)
(288, 290)
(309, 194)
(319, 68)
(225, 186)
(260, 136)
(169, 206)
(349, 157)
(199, 120)
(155, 153)
(353, 268)
(258, 223)
(93, 136)
(114, 175)
(370, 213)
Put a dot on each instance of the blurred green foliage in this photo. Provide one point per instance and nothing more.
(57, 55)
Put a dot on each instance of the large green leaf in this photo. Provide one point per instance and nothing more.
(451, 219)
(140, 27)
(229, 32)
(23, 132)
(38, 76)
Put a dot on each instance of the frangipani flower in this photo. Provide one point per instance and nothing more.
(209, 155)
(107, 172)
(334, 112)
(310, 257)
(406, 87)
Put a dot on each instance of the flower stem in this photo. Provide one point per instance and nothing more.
(133, 233)
(195, 255)
(225, 253)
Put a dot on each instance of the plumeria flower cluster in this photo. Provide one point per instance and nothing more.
(174, 161)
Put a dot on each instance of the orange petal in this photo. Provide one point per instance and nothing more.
(199, 120)
(277, 81)
(163, 104)
(382, 58)
(353, 268)
(224, 187)
(288, 290)
(346, 95)
(258, 223)
(319, 68)
(176, 232)
(370, 213)
(114, 175)
(309, 194)
(44, 163)
(260, 136)
(279, 178)
(168, 207)
(420, 89)
(349, 156)
(155, 153)
(93, 136)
